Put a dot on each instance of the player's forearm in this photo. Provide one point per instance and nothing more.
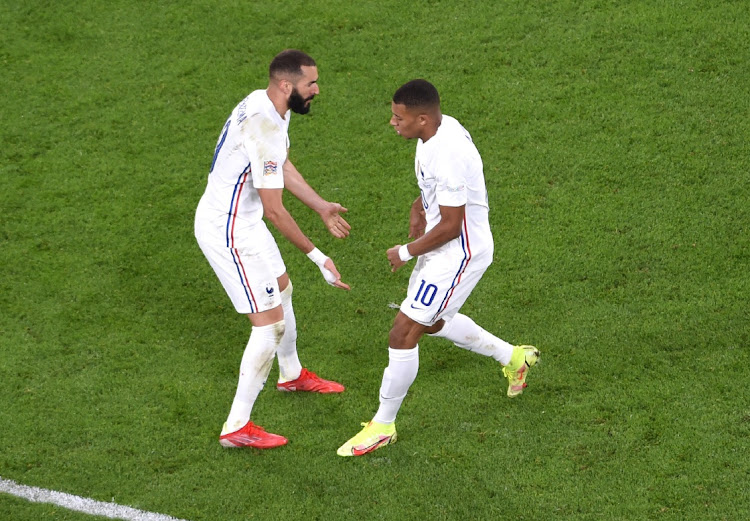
(448, 228)
(283, 221)
(432, 240)
(299, 188)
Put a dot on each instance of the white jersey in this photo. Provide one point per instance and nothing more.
(249, 155)
(450, 173)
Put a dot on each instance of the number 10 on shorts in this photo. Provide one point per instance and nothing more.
(426, 293)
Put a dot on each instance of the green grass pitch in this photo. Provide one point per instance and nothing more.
(615, 141)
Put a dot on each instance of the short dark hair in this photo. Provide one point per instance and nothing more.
(289, 62)
(417, 93)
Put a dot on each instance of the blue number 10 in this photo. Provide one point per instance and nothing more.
(426, 294)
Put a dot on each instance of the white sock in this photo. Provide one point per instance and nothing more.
(403, 365)
(466, 334)
(256, 363)
(289, 364)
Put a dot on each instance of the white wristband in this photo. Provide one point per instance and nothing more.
(403, 254)
(317, 256)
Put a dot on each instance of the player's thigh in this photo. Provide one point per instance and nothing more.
(248, 273)
(439, 286)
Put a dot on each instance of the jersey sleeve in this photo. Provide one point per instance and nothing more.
(266, 146)
(450, 176)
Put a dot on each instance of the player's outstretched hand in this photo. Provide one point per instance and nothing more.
(336, 224)
(334, 280)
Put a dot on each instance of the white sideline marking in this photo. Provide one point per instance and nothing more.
(80, 504)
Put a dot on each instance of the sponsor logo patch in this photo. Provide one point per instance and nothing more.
(269, 167)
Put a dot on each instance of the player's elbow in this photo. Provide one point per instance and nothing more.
(274, 215)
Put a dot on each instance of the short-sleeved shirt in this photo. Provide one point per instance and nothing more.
(249, 155)
(450, 172)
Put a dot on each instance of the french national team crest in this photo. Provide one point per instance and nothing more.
(269, 167)
(269, 294)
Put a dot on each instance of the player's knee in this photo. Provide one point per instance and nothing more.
(273, 332)
(435, 328)
(405, 333)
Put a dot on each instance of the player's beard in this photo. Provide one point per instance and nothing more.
(297, 103)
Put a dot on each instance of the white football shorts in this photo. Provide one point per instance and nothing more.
(440, 284)
(248, 272)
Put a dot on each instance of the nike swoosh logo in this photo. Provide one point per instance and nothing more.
(415, 307)
(383, 441)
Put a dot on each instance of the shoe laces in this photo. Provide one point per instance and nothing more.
(365, 435)
(361, 435)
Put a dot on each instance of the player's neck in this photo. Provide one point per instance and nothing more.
(278, 99)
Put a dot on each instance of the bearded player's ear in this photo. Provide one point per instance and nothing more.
(287, 86)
